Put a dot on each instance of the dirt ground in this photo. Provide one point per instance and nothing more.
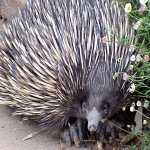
(13, 130)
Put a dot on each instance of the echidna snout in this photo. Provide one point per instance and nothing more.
(93, 118)
(96, 108)
(99, 106)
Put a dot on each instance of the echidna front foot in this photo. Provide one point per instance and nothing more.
(75, 133)
(112, 129)
(107, 129)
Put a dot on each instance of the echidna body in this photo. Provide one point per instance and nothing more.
(58, 60)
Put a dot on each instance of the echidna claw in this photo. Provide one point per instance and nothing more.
(101, 131)
(106, 129)
(113, 133)
(75, 133)
(66, 138)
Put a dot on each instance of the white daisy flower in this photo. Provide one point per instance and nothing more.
(143, 1)
(136, 25)
(144, 121)
(128, 8)
(132, 58)
(132, 109)
(138, 103)
(132, 88)
(131, 67)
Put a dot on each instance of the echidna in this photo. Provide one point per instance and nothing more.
(58, 60)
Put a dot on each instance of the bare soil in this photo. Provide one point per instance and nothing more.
(13, 130)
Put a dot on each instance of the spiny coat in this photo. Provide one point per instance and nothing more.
(59, 57)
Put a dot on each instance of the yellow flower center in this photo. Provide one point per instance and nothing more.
(143, 1)
(128, 8)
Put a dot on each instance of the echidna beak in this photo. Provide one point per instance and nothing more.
(93, 118)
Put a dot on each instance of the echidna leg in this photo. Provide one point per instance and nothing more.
(101, 131)
(107, 128)
(113, 127)
(75, 133)
(113, 133)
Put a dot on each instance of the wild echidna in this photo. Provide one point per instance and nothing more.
(58, 60)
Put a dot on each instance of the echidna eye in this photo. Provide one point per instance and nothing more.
(84, 105)
(105, 108)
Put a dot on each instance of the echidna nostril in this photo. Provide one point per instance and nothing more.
(92, 128)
